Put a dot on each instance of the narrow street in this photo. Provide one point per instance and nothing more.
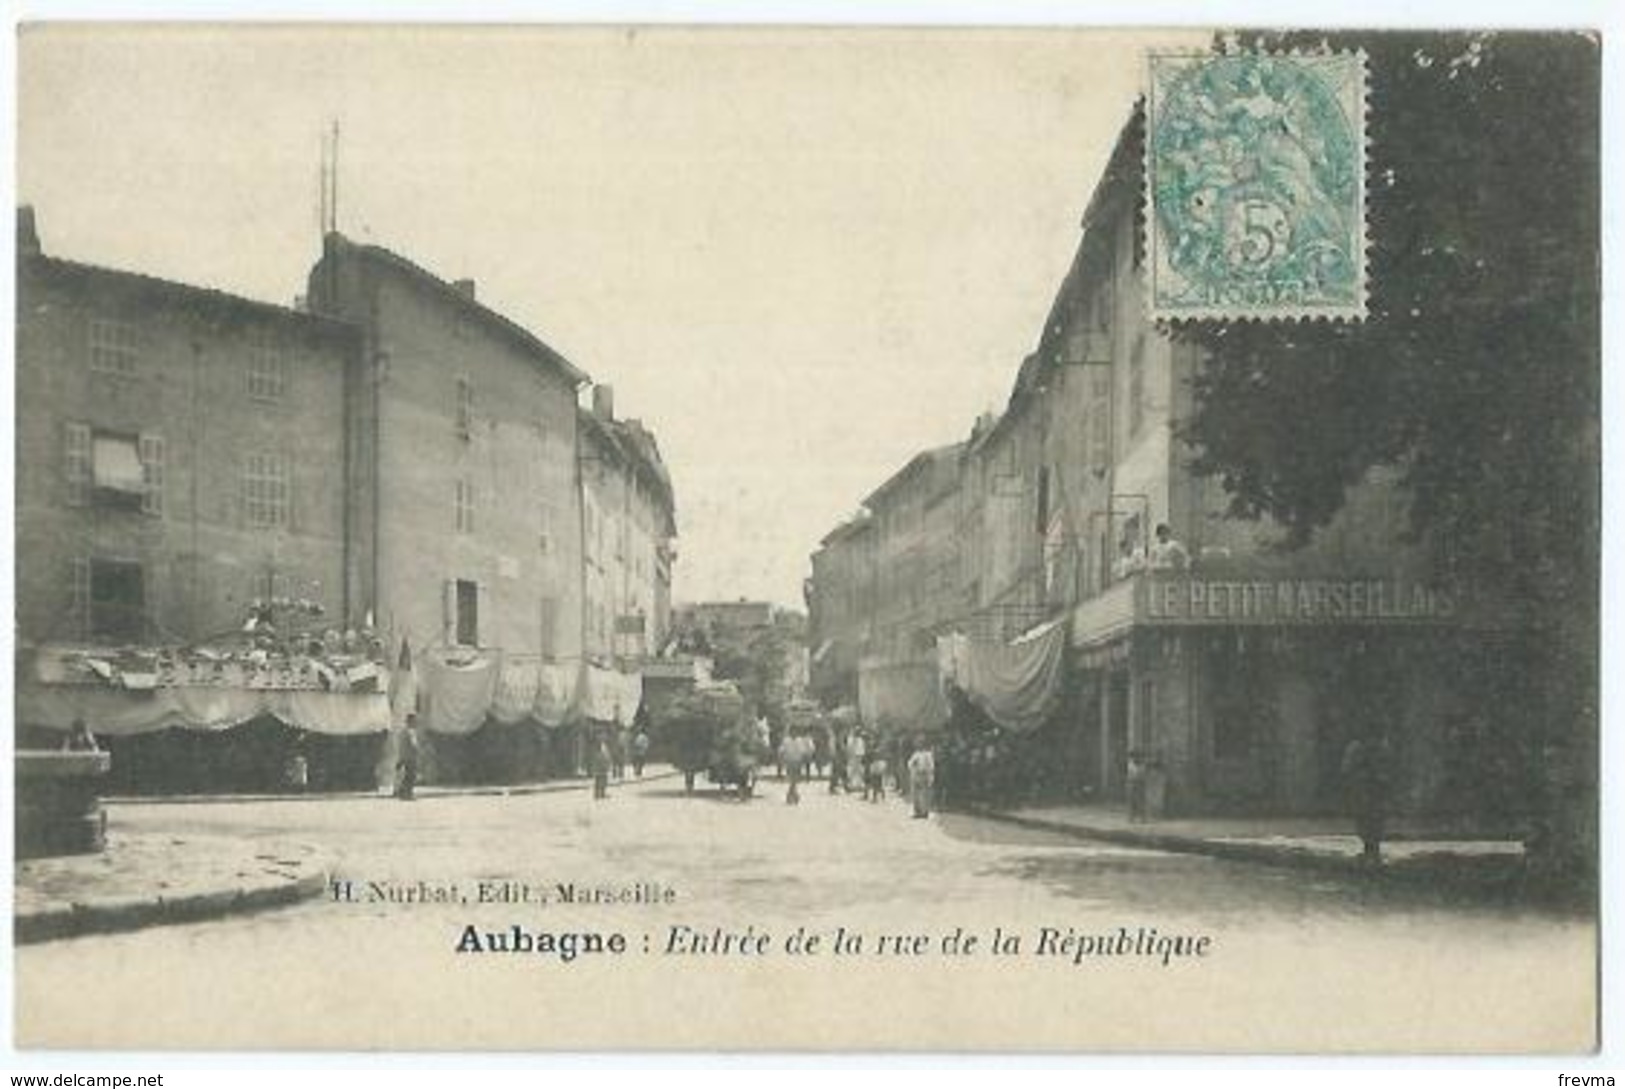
(1354, 966)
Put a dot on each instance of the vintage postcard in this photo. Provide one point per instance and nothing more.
(721, 538)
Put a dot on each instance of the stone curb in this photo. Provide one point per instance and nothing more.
(135, 913)
(1267, 854)
(423, 793)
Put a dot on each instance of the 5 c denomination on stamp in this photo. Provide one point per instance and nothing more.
(1255, 186)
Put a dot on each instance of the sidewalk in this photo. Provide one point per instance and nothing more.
(1317, 843)
(148, 879)
(502, 790)
(152, 879)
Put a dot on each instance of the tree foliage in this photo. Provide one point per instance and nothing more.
(1476, 375)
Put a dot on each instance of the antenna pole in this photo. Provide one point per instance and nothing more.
(334, 206)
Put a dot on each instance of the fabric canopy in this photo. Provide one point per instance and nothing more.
(558, 690)
(459, 693)
(518, 684)
(612, 696)
(123, 713)
(1017, 684)
(902, 695)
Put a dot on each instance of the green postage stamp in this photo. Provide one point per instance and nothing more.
(1255, 186)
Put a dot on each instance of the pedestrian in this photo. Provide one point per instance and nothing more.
(922, 774)
(1136, 786)
(792, 757)
(296, 773)
(640, 753)
(875, 777)
(600, 762)
(406, 761)
(837, 764)
(80, 739)
(857, 751)
(1366, 774)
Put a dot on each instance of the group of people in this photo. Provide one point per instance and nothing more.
(859, 764)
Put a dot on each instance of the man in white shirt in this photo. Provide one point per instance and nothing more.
(1167, 554)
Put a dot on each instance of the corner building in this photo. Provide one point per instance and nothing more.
(1235, 675)
(462, 468)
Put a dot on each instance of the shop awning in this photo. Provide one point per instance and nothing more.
(611, 696)
(116, 713)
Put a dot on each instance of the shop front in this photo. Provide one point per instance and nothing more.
(1241, 695)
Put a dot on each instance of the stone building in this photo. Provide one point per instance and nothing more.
(182, 532)
(916, 590)
(839, 610)
(1228, 673)
(629, 531)
(395, 458)
(176, 454)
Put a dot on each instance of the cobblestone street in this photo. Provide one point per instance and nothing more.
(1367, 966)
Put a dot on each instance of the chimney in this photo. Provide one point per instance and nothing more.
(603, 402)
(27, 232)
(465, 288)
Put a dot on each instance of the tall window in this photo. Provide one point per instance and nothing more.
(152, 474)
(464, 506)
(267, 369)
(265, 491)
(465, 407)
(114, 348)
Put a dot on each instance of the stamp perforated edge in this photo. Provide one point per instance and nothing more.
(1360, 310)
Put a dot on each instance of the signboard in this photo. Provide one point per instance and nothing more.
(1185, 600)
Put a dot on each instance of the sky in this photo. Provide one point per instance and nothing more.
(800, 256)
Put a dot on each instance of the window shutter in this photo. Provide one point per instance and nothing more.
(152, 474)
(76, 462)
(448, 619)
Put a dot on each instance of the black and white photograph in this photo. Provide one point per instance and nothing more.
(740, 538)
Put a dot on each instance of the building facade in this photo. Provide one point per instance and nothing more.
(1206, 669)
(268, 515)
(839, 610)
(176, 456)
(629, 528)
(463, 462)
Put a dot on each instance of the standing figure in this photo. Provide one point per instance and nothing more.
(1136, 785)
(600, 763)
(406, 761)
(80, 739)
(875, 777)
(792, 758)
(640, 752)
(922, 774)
(857, 752)
(1366, 782)
(296, 773)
